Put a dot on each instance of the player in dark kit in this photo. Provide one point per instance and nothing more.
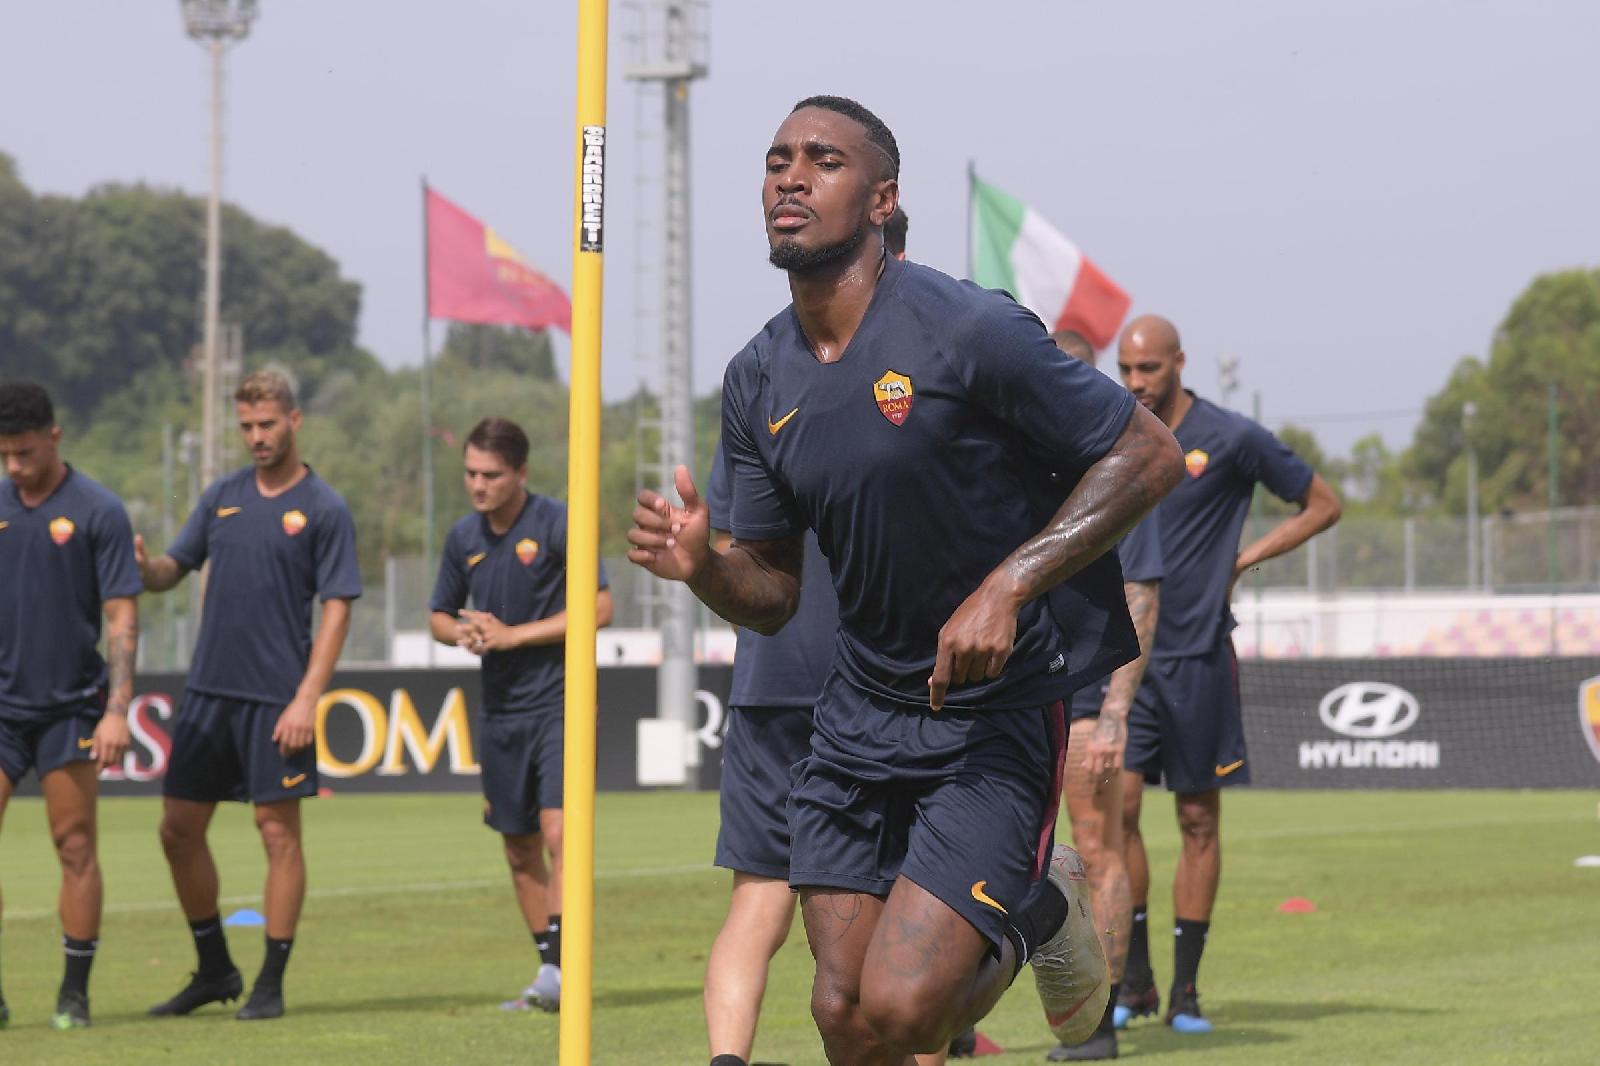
(509, 557)
(1096, 740)
(66, 557)
(896, 412)
(277, 538)
(1185, 726)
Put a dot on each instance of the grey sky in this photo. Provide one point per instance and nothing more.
(1346, 196)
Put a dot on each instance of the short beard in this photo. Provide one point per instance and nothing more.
(788, 255)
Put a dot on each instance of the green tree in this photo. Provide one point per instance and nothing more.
(501, 348)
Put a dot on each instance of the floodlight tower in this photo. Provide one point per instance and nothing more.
(674, 55)
(215, 24)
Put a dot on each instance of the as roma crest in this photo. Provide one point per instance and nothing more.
(61, 529)
(1196, 462)
(893, 392)
(527, 549)
(293, 522)
(1589, 713)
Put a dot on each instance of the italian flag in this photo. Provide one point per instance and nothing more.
(1015, 249)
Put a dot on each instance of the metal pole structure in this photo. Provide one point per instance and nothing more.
(972, 221)
(1469, 411)
(583, 536)
(169, 604)
(676, 67)
(1257, 578)
(1555, 500)
(213, 310)
(427, 413)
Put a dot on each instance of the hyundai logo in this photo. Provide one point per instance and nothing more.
(1368, 709)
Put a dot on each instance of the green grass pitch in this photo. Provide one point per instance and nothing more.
(1450, 928)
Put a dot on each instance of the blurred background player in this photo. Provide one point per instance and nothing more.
(1098, 734)
(277, 537)
(1185, 724)
(918, 825)
(66, 556)
(894, 232)
(509, 558)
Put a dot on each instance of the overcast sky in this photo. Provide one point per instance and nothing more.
(1345, 196)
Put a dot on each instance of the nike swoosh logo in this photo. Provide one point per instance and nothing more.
(773, 427)
(984, 898)
(290, 782)
(1057, 1019)
(1224, 771)
(3, 525)
(85, 743)
(474, 560)
(228, 512)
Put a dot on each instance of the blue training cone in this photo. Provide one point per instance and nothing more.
(245, 916)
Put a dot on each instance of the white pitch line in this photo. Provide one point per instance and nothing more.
(406, 888)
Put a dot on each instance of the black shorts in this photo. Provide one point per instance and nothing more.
(522, 758)
(48, 744)
(1185, 725)
(222, 749)
(1086, 702)
(760, 752)
(963, 803)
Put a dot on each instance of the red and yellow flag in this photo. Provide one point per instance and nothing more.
(475, 276)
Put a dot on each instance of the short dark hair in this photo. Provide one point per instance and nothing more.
(877, 132)
(24, 407)
(504, 438)
(894, 231)
(266, 384)
(1074, 344)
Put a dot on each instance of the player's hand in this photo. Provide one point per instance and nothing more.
(1102, 756)
(486, 633)
(467, 634)
(141, 559)
(296, 726)
(671, 542)
(975, 644)
(110, 740)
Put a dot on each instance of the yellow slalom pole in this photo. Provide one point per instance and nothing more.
(583, 539)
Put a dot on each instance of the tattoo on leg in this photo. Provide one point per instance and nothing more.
(911, 947)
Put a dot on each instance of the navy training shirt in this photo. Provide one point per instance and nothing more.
(788, 668)
(518, 576)
(271, 557)
(1226, 456)
(913, 459)
(59, 563)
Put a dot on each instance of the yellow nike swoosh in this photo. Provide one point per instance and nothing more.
(85, 743)
(773, 427)
(984, 898)
(1224, 771)
(225, 512)
(474, 560)
(290, 782)
(3, 525)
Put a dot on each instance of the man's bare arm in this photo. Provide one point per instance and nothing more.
(160, 573)
(1110, 498)
(122, 651)
(325, 649)
(754, 584)
(1144, 603)
(1318, 510)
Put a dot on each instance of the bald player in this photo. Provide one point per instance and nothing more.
(1185, 723)
(1096, 738)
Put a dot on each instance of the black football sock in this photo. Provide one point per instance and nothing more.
(80, 957)
(212, 946)
(1036, 923)
(555, 941)
(728, 1060)
(1108, 1022)
(273, 962)
(541, 940)
(1138, 970)
(1188, 944)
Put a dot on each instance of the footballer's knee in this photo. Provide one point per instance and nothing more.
(522, 855)
(75, 849)
(1198, 818)
(278, 837)
(179, 837)
(833, 1009)
(907, 1015)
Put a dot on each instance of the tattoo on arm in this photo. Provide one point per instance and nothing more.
(1144, 599)
(1112, 496)
(122, 648)
(754, 584)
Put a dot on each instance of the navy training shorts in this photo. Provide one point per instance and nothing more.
(1186, 726)
(760, 752)
(222, 749)
(522, 756)
(48, 743)
(961, 802)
